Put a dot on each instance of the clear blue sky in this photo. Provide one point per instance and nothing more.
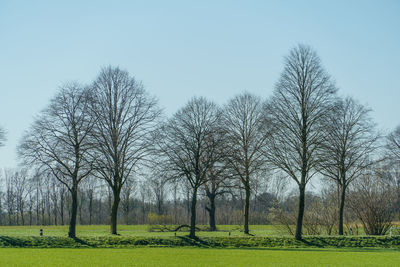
(183, 48)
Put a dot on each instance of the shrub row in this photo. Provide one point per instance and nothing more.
(206, 242)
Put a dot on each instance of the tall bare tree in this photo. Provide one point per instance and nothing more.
(190, 143)
(58, 141)
(247, 132)
(302, 97)
(348, 142)
(125, 117)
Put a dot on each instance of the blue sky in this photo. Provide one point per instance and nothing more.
(180, 49)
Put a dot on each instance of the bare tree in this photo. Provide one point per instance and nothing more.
(371, 199)
(2, 136)
(189, 143)
(90, 186)
(301, 98)
(393, 152)
(393, 144)
(10, 196)
(58, 141)
(158, 183)
(22, 188)
(348, 143)
(247, 132)
(127, 192)
(125, 117)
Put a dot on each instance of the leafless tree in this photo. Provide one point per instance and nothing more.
(302, 97)
(393, 152)
(22, 187)
(125, 117)
(393, 144)
(348, 143)
(247, 132)
(126, 199)
(158, 183)
(58, 143)
(189, 143)
(10, 196)
(89, 187)
(371, 199)
(2, 136)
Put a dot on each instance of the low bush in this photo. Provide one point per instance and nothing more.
(207, 242)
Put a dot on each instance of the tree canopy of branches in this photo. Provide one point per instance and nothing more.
(58, 142)
(247, 132)
(125, 117)
(347, 146)
(190, 143)
(301, 99)
(393, 144)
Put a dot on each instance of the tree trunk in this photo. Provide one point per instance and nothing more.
(74, 209)
(300, 215)
(341, 207)
(211, 211)
(62, 207)
(30, 216)
(37, 208)
(22, 215)
(55, 212)
(114, 211)
(90, 208)
(246, 209)
(193, 214)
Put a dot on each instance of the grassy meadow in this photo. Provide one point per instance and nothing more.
(138, 231)
(198, 257)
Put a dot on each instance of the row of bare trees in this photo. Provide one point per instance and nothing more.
(112, 131)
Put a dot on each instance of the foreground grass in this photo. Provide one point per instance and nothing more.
(197, 257)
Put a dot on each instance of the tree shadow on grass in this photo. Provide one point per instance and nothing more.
(83, 243)
(195, 242)
(316, 242)
(326, 249)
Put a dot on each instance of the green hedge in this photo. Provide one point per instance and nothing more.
(206, 242)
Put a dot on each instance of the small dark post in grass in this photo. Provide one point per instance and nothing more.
(229, 233)
(41, 232)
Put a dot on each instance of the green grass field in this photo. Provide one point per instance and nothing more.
(197, 257)
(136, 230)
